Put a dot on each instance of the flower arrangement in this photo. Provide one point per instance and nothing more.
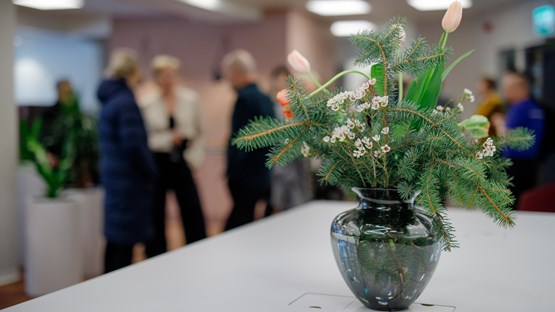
(376, 137)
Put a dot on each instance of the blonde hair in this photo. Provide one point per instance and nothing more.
(123, 62)
(163, 62)
(240, 60)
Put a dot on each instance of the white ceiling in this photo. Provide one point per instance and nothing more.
(231, 11)
(157, 7)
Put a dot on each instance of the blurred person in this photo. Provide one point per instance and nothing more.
(523, 112)
(172, 118)
(289, 187)
(491, 102)
(127, 167)
(248, 177)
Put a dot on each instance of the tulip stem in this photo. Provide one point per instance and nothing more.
(332, 80)
(315, 81)
(444, 38)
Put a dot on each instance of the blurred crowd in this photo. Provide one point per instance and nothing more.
(152, 141)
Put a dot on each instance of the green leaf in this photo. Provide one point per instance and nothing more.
(425, 90)
(448, 70)
(378, 73)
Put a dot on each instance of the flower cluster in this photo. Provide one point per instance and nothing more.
(338, 99)
(467, 95)
(340, 134)
(362, 146)
(335, 102)
(488, 151)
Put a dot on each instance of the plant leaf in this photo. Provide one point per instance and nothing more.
(448, 70)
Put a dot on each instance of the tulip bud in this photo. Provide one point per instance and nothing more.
(452, 18)
(298, 62)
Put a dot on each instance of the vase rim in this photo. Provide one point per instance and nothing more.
(360, 191)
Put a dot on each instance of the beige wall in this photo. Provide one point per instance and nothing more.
(311, 37)
(199, 48)
(9, 270)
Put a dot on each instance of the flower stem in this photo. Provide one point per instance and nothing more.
(332, 80)
(444, 37)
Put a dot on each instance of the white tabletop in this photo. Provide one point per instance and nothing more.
(266, 266)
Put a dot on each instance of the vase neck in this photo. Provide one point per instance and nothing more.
(382, 199)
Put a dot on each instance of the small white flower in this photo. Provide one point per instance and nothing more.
(382, 101)
(326, 139)
(367, 142)
(479, 155)
(439, 108)
(460, 107)
(351, 135)
(305, 150)
(332, 140)
(376, 138)
(376, 154)
(358, 144)
(350, 123)
(467, 94)
(375, 105)
(386, 149)
(385, 130)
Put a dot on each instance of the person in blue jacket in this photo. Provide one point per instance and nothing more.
(247, 174)
(127, 166)
(526, 113)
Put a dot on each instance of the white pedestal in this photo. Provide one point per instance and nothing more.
(52, 245)
(28, 183)
(89, 203)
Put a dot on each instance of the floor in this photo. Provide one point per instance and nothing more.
(13, 294)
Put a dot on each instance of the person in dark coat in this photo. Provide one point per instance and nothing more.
(248, 176)
(127, 166)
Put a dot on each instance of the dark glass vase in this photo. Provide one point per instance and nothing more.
(385, 249)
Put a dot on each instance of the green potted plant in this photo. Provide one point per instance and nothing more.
(82, 176)
(393, 151)
(52, 257)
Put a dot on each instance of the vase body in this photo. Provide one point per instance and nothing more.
(386, 249)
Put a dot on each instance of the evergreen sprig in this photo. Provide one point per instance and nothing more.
(370, 138)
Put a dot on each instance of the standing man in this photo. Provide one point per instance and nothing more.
(526, 113)
(248, 177)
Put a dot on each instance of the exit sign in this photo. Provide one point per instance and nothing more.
(543, 18)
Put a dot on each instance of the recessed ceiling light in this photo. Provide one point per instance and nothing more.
(50, 4)
(338, 7)
(348, 28)
(436, 5)
(210, 5)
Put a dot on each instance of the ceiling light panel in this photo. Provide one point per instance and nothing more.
(348, 28)
(338, 7)
(50, 4)
(436, 5)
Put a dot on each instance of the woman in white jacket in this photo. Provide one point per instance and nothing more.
(172, 119)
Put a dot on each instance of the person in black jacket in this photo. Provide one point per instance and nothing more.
(248, 177)
(127, 166)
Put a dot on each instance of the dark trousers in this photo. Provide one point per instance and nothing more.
(176, 176)
(117, 256)
(525, 174)
(244, 203)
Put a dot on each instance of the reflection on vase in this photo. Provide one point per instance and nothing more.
(385, 249)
